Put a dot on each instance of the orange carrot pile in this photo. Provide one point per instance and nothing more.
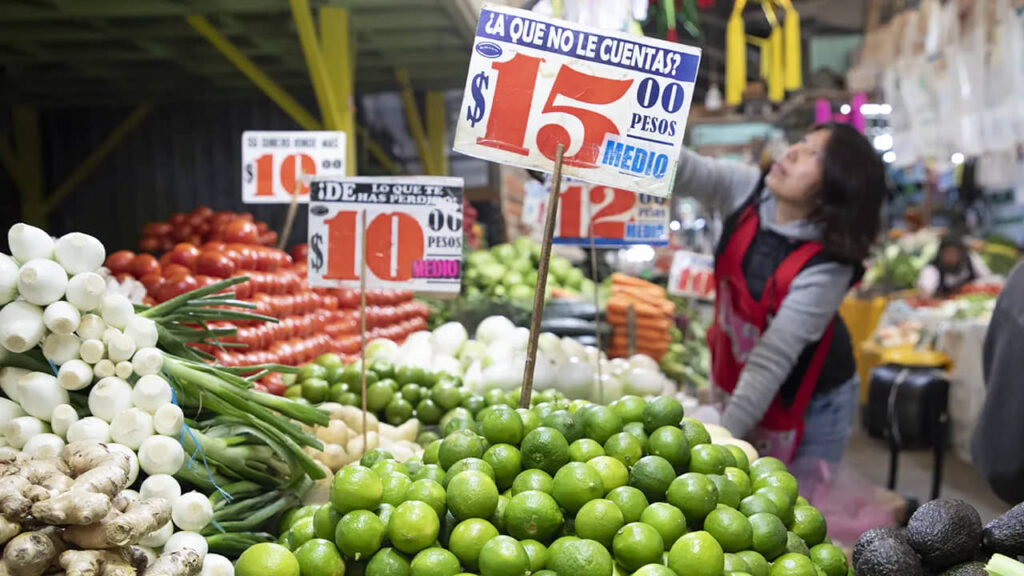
(653, 316)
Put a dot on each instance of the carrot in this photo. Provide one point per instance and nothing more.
(626, 280)
(642, 322)
(644, 296)
(620, 305)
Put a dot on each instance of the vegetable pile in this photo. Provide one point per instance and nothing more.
(202, 225)
(510, 271)
(654, 316)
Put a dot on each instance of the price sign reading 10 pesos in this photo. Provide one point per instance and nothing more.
(692, 275)
(618, 103)
(277, 165)
(616, 217)
(413, 233)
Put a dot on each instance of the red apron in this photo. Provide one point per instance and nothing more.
(739, 322)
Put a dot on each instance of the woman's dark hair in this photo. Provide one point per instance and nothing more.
(853, 190)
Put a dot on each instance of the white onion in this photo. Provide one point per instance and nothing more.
(117, 310)
(168, 420)
(192, 511)
(120, 348)
(9, 410)
(109, 397)
(9, 376)
(91, 327)
(151, 392)
(449, 338)
(44, 446)
(8, 279)
(147, 361)
(22, 429)
(494, 328)
(142, 331)
(160, 486)
(78, 253)
(158, 537)
(61, 348)
(40, 394)
(104, 369)
(92, 350)
(61, 317)
(62, 418)
(131, 427)
(42, 281)
(217, 565)
(123, 370)
(192, 540)
(86, 291)
(161, 455)
(89, 428)
(21, 326)
(28, 242)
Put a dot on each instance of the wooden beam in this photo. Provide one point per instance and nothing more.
(338, 44)
(322, 87)
(77, 10)
(437, 128)
(414, 122)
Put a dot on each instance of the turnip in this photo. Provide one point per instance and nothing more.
(8, 279)
(61, 348)
(575, 378)
(9, 410)
(89, 428)
(147, 361)
(104, 369)
(44, 446)
(62, 418)
(168, 420)
(91, 327)
(39, 394)
(158, 537)
(78, 252)
(133, 460)
(193, 540)
(109, 397)
(42, 281)
(161, 486)
(21, 326)
(28, 242)
(92, 350)
(74, 375)
(217, 565)
(21, 429)
(161, 455)
(131, 427)
(117, 310)
(61, 317)
(494, 328)
(120, 348)
(9, 376)
(142, 331)
(150, 393)
(86, 291)
(449, 338)
(192, 511)
(123, 370)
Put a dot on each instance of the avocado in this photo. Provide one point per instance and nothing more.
(945, 532)
(1005, 534)
(966, 569)
(884, 551)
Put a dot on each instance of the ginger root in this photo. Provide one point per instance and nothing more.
(8, 529)
(118, 529)
(32, 553)
(77, 508)
(95, 563)
(184, 562)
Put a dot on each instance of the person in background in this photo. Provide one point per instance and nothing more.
(996, 448)
(954, 267)
(792, 244)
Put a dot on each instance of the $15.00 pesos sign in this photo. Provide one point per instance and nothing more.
(618, 103)
(277, 165)
(413, 233)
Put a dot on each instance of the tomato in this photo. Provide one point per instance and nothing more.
(243, 290)
(205, 281)
(143, 264)
(216, 264)
(246, 216)
(157, 229)
(172, 269)
(119, 261)
(243, 231)
(149, 244)
(300, 252)
(268, 238)
(149, 300)
(182, 233)
(247, 257)
(204, 211)
(262, 227)
(177, 285)
(184, 253)
(214, 245)
(177, 219)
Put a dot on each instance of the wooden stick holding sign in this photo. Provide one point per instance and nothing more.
(542, 279)
(362, 328)
(597, 306)
(293, 210)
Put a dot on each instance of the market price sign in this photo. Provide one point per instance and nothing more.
(692, 275)
(616, 217)
(618, 103)
(413, 233)
(278, 165)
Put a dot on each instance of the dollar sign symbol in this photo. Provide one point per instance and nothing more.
(248, 173)
(475, 112)
(316, 259)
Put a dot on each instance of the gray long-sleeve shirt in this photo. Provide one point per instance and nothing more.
(805, 312)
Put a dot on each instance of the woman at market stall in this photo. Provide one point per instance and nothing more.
(791, 246)
(954, 267)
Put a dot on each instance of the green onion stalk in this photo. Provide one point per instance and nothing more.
(1000, 565)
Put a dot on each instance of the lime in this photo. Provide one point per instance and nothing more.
(315, 390)
(637, 430)
(267, 558)
(504, 556)
(429, 492)
(764, 466)
(533, 480)
(359, 534)
(431, 451)
(430, 472)
(374, 455)
(413, 526)
(387, 562)
(414, 465)
(412, 393)
(565, 422)
(580, 558)
(637, 544)
(695, 432)
(545, 448)
(472, 494)
(301, 532)
(652, 475)
(356, 488)
(384, 513)
(575, 484)
(459, 445)
(793, 565)
(695, 494)
(585, 449)
(756, 564)
(758, 503)
(668, 520)
(468, 538)
(670, 443)
(740, 479)
(784, 481)
(434, 562)
(728, 493)
(295, 514)
(498, 519)
(801, 501)
(731, 528)
(661, 411)
(654, 570)
(537, 553)
(494, 397)
(600, 422)
(739, 456)
(384, 467)
(809, 524)
(830, 559)
(474, 403)
(325, 520)
(624, 447)
(599, 520)
(319, 556)
(782, 501)
(427, 411)
(506, 461)
(398, 411)
(295, 392)
(446, 396)
(468, 464)
(426, 437)
(631, 502)
(531, 421)
(735, 563)
(456, 424)
(697, 554)
(707, 459)
(769, 535)
(534, 515)
(503, 426)
(630, 408)
(378, 396)
(557, 545)
(796, 545)
(613, 472)
(312, 370)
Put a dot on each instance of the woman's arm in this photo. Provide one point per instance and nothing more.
(717, 183)
(805, 313)
(928, 280)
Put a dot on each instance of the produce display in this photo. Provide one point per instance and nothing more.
(944, 536)
(654, 316)
(204, 225)
(561, 488)
(510, 271)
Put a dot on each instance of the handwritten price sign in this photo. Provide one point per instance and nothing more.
(277, 165)
(413, 233)
(692, 275)
(618, 103)
(619, 217)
